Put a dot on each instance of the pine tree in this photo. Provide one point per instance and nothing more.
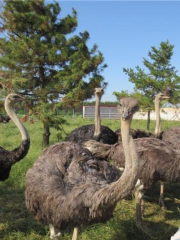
(160, 75)
(40, 59)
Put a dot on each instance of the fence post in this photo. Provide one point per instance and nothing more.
(84, 112)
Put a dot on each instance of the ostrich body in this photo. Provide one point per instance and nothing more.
(97, 132)
(8, 158)
(171, 136)
(68, 187)
(4, 119)
(157, 160)
(136, 133)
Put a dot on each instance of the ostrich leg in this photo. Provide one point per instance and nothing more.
(161, 197)
(139, 202)
(54, 232)
(75, 234)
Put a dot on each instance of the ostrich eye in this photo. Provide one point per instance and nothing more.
(83, 154)
(92, 165)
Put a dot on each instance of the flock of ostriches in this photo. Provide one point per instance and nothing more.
(72, 184)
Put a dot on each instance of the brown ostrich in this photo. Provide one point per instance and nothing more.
(97, 132)
(66, 186)
(171, 136)
(8, 158)
(157, 134)
(158, 161)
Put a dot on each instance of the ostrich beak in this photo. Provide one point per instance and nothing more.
(165, 97)
(126, 115)
(20, 98)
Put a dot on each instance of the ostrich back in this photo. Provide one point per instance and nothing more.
(4, 119)
(172, 137)
(136, 133)
(8, 158)
(158, 161)
(61, 183)
(86, 132)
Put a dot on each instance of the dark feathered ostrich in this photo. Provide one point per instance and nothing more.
(8, 158)
(4, 119)
(97, 132)
(68, 187)
(158, 161)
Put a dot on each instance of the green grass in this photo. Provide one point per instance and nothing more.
(17, 224)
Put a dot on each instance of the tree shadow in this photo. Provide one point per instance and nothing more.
(14, 216)
(128, 230)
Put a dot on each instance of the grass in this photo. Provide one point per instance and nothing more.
(17, 224)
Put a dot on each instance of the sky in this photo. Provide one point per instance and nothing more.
(125, 31)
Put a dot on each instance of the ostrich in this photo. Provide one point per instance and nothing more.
(158, 161)
(8, 158)
(157, 134)
(66, 186)
(98, 132)
(158, 99)
(4, 119)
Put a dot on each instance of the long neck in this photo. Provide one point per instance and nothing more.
(15, 119)
(118, 190)
(97, 116)
(158, 119)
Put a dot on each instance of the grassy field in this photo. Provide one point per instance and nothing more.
(17, 224)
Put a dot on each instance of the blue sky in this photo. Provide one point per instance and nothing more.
(124, 32)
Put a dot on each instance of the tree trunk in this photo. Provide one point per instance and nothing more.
(148, 120)
(46, 135)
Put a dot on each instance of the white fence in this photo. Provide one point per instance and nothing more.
(172, 114)
(105, 112)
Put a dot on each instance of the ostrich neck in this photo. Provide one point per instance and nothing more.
(158, 120)
(128, 143)
(118, 190)
(97, 116)
(15, 119)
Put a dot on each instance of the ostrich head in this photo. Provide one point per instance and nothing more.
(128, 106)
(98, 150)
(99, 91)
(14, 98)
(160, 96)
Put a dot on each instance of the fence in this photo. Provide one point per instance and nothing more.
(105, 112)
(172, 114)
